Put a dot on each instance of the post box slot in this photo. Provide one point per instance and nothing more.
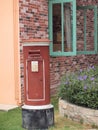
(34, 52)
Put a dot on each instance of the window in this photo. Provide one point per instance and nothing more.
(62, 27)
(87, 30)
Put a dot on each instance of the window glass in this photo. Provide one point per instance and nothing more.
(67, 27)
(57, 35)
(89, 30)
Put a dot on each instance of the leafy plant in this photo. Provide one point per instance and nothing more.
(81, 87)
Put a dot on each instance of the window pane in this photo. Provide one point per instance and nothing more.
(90, 30)
(57, 36)
(80, 30)
(67, 27)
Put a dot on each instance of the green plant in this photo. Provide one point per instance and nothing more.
(94, 126)
(81, 121)
(81, 87)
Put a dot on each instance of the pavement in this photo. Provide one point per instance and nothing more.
(4, 107)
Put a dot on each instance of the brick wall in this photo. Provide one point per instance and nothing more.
(34, 24)
(33, 19)
(87, 2)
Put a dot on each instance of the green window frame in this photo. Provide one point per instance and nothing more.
(62, 52)
(95, 50)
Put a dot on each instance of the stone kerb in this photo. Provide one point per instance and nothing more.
(77, 113)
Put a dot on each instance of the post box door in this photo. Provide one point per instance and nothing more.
(35, 83)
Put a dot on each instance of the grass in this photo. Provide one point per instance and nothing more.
(12, 120)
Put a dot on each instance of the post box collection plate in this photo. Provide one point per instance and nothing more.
(34, 66)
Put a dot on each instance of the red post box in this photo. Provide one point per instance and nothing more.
(37, 85)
